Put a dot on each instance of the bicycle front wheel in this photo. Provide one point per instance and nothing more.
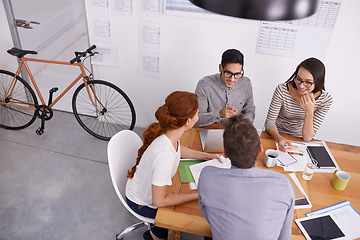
(17, 102)
(107, 111)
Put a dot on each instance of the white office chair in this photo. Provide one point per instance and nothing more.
(122, 152)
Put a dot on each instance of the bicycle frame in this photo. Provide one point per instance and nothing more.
(82, 75)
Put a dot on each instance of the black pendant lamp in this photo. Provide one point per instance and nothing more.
(269, 10)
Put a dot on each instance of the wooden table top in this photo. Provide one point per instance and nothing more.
(187, 217)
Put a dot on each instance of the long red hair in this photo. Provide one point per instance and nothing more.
(179, 106)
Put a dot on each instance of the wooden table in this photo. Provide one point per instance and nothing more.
(187, 217)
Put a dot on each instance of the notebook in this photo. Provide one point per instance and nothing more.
(322, 156)
(212, 140)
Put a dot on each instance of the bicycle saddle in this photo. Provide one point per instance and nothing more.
(19, 52)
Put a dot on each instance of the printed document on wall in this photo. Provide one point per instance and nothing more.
(149, 8)
(121, 7)
(107, 55)
(149, 34)
(98, 21)
(149, 63)
(300, 38)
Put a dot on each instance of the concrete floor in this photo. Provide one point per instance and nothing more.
(58, 186)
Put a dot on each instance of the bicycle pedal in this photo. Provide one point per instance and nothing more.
(39, 131)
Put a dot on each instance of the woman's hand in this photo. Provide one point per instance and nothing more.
(161, 198)
(307, 102)
(284, 144)
(193, 154)
(213, 156)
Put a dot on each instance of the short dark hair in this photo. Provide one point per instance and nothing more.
(232, 56)
(316, 68)
(241, 141)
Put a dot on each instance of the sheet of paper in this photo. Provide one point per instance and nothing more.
(300, 38)
(149, 8)
(121, 7)
(192, 186)
(197, 168)
(149, 34)
(149, 62)
(98, 19)
(107, 55)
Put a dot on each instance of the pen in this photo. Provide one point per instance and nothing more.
(291, 155)
(307, 150)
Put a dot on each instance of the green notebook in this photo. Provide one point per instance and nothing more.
(184, 170)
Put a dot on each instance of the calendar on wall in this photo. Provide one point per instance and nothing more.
(300, 38)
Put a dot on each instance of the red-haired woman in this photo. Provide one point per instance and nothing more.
(159, 158)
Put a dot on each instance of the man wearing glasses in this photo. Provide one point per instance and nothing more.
(227, 93)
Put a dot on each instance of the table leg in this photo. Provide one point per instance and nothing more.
(174, 235)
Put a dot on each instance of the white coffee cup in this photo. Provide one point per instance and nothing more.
(271, 157)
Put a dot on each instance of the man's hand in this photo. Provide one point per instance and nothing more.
(228, 112)
(307, 102)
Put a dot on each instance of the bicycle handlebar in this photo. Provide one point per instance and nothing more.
(80, 55)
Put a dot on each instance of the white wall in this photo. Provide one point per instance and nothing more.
(6, 61)
(191, 48)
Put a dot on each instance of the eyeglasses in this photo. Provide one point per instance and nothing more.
(229, 74)
(306, 84)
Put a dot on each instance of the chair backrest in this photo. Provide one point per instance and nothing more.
(122, 152)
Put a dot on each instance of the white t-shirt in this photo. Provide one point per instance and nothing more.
(157, 167)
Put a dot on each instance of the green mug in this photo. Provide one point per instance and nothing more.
(340, 180)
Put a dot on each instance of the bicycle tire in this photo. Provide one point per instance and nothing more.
(12, 117)
(118, 111)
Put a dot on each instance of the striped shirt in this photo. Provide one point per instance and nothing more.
(288, 116)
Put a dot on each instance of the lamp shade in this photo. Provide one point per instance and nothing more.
(270, 10)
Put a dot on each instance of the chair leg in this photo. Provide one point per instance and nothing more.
(131, 228)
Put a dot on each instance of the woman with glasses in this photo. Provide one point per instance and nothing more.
(299, 105)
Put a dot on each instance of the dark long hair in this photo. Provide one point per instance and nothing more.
(316, 68)
(179, 107)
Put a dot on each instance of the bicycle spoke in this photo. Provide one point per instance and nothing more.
(14, 112)
(116, 111)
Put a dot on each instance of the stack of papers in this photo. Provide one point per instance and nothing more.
(339, 221)
(190, 169)
(197, 168)
(184, 170)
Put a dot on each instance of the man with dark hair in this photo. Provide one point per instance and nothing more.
(245, 202)
(227, 93)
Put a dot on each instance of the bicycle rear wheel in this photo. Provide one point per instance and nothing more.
(116, 110)
(14, 112)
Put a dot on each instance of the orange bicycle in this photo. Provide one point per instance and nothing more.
(100, 107)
